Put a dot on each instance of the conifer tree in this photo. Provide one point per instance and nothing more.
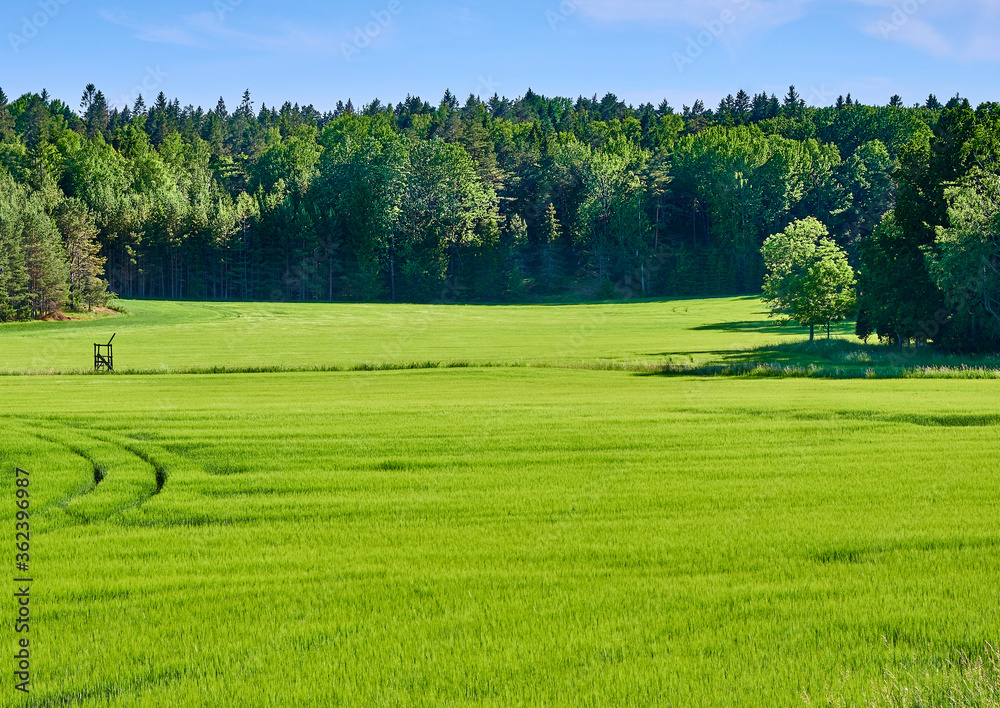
(86, 266)
(6, 123)
(550, 268)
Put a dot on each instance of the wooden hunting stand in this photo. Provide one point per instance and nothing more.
(104, 359)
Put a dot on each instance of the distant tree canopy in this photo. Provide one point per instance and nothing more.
(495, 200)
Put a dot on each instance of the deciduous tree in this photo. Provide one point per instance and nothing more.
(809, 279)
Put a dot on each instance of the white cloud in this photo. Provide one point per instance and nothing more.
(692, 12)
(914, 32)
(159, 34)
(965, 30)
(208, 30)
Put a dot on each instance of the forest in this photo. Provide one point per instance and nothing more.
(534, 199)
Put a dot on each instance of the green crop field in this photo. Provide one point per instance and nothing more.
(550, 533)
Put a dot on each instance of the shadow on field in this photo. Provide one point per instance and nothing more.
(747, 326)
(720, 353)
(840, 358)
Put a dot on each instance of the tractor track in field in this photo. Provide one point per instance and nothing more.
(99, 471)
(159, 471)
(49, 433)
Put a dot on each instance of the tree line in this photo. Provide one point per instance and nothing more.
(493, 201)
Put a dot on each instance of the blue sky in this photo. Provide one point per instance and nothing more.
(309, 51)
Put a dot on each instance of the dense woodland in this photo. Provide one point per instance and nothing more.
(531, 199)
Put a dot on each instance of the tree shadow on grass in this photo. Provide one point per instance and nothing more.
(780, 354)
(748, 326)
(802, 353)
(717, 353)
(772, 327)
(841, 357)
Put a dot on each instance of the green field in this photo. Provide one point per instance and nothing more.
(172, 336)
(485, 535)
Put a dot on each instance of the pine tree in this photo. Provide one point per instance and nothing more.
(45, 262)
(513, 244)
(86, 266)
(246, 106)
(13, 275)
(6, 123)
(13, 278)
(37, 138)
(550, 261)
(87, 100)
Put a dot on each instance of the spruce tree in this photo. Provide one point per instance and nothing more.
(96, 115)
(793, 103)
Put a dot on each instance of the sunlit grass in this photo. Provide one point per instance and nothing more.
(181, 336)
(315, 505)
(505, 536)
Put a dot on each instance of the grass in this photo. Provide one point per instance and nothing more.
(176, 337)
(713, 337)
(962, 683)
(557, 533)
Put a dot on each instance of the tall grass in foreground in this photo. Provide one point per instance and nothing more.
(967, 683)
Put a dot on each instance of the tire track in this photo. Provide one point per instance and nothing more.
(124, 476)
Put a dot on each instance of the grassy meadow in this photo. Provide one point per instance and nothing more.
(486, 535)
(178, 336)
